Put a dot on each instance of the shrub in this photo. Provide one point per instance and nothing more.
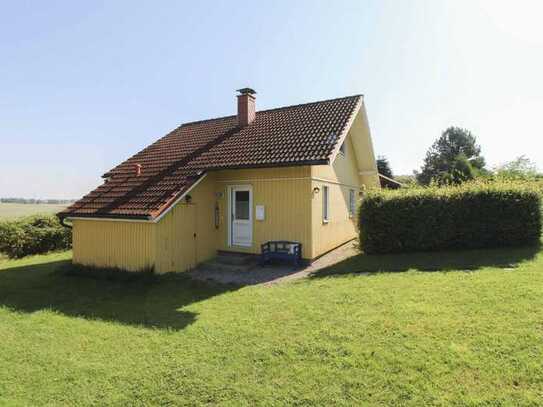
(473, 215)
(32, 235)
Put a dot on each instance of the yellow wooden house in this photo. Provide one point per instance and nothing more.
(230, 184)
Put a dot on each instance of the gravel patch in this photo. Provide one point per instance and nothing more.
(274, 274)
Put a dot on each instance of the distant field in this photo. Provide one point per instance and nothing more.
(14, 210)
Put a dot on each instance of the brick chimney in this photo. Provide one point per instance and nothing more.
(246, 106)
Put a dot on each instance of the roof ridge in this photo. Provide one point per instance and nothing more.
(310, 103)
(205, 120)
(358, 95)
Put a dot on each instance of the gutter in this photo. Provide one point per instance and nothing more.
(143, 218)
(61, 220)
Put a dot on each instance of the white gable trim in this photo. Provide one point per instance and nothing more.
(179, 199)
(345, 132)
(155, 220)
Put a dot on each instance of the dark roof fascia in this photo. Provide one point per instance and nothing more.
(75, 215)
(271, 165)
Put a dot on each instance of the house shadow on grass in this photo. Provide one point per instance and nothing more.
(157, 304)
(467, 260)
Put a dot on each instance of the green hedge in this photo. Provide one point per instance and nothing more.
(34, 234)
(473, 215)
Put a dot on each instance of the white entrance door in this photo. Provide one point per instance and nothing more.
(241, 225)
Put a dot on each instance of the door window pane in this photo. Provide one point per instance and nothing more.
(242, 205)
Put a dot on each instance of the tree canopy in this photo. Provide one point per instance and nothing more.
(454, 158)
(383, 167)
(520, 168)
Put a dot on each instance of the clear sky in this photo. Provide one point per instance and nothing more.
(84, 85)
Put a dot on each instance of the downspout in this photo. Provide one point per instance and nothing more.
(62, 219)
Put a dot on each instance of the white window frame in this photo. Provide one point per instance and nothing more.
(352, 203)
(342, 148)
(230, 191)
(325, 204)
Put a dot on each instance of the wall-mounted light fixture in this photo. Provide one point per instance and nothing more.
(316, 190)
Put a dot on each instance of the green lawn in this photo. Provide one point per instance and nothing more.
(15, 210)
(348, 336)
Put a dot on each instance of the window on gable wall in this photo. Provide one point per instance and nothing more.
(342, 149)
(352, 203)
(325, 204)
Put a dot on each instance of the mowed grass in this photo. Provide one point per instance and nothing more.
(10, 211)
(347, 336)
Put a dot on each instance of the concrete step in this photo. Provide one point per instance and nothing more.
(235, 259)
(216, 266)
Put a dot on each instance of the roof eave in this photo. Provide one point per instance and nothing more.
(104, 216)
(345, 131)
(154, 216)
(323, 161)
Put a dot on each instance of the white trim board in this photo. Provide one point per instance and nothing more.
(288, 179)
(336, 183)
(178, 199)
(155, 220)
(262, 179)
(345, 132)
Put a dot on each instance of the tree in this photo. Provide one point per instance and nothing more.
(520, 168)
(406, 180)
(383, 167)
(454, 158)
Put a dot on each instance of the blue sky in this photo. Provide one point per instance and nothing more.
(84, 85)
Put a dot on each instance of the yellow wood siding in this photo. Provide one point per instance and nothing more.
(363, 150)
(344, 169)
(286, 196)
(177, 249)
(353, 171)
(292, 212)
(340, 177)
(168, 245)
(175, 241)
(126, 245)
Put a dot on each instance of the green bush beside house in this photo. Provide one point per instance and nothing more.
(32, 235)
(469, 216)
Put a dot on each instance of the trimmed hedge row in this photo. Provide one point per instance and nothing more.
(32, 235)
(469, 216)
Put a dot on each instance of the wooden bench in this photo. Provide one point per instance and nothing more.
(281, 250)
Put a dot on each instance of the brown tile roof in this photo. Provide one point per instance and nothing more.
(295, 135)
